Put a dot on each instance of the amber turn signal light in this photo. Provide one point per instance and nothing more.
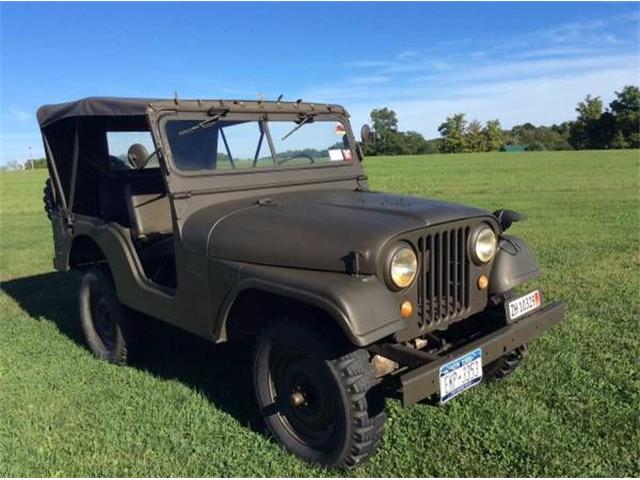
(406, 309)
(483, 282)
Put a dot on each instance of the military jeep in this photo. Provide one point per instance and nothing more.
(253, 220)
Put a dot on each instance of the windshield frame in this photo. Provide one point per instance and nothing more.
(263, 119)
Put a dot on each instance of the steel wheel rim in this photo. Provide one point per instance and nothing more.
(314, 421)
(102, 318)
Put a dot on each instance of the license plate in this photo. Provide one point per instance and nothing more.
(523, 305)
(460, 374)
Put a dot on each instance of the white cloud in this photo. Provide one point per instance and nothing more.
(534, 76)
(545, 67)
(20, 115)
(554, 51)
(542, 100)
(406, 54)
(593, 33)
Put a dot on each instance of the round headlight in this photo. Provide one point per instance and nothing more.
(486, 244)
(404, 266)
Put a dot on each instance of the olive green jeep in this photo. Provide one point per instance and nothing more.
(253, 220)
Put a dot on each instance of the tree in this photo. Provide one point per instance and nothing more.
(542, 137)
(619, 141)
(452, 131)
(590, 109)
(432, 146)
(605, 131)
(535, 147)
(584, 132)
(617, 127)
(384, 120)
(626, 111)
(474, 139)
(38, 163)
(492, 133)
(14, 165)
(414, 143)
(388, 141)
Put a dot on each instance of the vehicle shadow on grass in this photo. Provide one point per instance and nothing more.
(222, 373)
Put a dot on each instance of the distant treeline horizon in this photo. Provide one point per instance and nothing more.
(595, 128)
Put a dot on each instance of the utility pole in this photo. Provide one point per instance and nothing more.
(31, 157)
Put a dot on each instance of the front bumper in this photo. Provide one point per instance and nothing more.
(423, 382)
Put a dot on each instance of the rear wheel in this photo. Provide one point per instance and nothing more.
(320, 402)
(505, 365)
(103, 318)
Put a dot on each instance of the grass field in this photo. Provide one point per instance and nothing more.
(571, 410)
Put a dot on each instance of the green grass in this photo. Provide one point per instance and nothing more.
(185, 409)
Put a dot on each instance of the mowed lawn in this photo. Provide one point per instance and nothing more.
(185, 407)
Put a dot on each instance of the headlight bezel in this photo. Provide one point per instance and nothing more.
(390, 256)
(473, 244)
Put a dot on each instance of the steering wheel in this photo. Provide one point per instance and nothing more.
(297, 155)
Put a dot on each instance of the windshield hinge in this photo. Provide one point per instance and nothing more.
(181, 195)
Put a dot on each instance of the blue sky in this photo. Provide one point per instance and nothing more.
(516, 62)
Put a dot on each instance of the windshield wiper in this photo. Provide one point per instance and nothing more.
(304, 120)
(205, 123)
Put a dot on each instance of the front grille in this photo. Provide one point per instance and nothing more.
(444, 281)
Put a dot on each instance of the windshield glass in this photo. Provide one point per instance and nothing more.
(229, 144)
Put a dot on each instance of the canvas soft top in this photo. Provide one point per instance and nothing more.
(93, 107)
(126, 107)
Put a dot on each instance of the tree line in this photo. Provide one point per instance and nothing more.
(596, 127)
(28, 164)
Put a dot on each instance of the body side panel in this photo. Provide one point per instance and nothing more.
(188, 310)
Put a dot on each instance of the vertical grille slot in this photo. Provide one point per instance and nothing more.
(443, 285)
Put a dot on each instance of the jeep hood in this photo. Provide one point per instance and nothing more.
(313, 229)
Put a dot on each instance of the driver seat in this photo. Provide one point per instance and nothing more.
(149, 212)
(146, 199)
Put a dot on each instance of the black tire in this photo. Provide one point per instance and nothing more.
(341, 420)
(103, 318)
(505, 365)
(48, 199)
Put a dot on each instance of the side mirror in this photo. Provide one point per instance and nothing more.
(507, 217)
(137, 156)
(366, 135)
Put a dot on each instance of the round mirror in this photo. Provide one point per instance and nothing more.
(138, 156)
(365, 133)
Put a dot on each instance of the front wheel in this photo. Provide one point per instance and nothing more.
(320, 403)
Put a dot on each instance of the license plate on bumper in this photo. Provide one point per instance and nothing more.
(521, 306)
(460, 374)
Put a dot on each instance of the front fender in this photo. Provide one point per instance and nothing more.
(514, 264)
(364, 308)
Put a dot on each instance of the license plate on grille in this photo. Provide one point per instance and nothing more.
(523, 305)
(460, 374)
